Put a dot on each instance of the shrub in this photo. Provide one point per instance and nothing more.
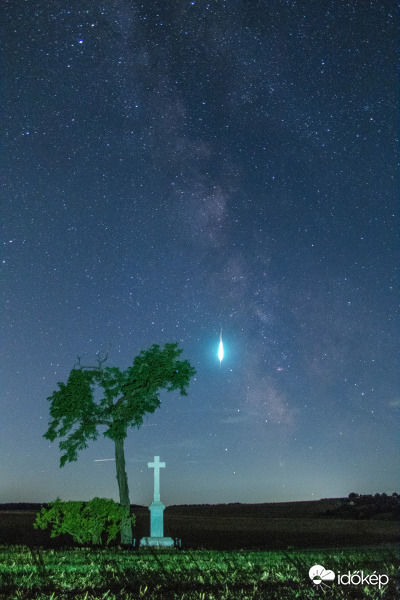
(85, 521)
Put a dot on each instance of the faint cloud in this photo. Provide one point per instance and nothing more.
(185, 444)
(188, 444)
(395, 403)
(141, 459)
(237, 418)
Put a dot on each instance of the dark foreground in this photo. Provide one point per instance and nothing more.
(229, 552)
(278, 526)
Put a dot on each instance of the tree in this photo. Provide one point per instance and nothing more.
(128, 396)
(85, 521)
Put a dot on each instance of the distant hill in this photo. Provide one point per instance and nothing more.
(355, 506)
(22, 506)
(32, 506)
(367, 506)
(306, 508)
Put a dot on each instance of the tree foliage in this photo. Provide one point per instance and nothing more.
(84, 521)
(127, 397)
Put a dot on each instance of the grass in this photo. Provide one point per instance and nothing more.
(121, 574)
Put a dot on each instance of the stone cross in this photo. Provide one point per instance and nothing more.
(156, 509)
(156, 465)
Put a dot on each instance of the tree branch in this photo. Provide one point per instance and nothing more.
(98, 367)
(100, 361)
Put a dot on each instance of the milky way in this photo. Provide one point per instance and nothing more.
(174, 167)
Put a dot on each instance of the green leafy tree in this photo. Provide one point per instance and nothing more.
(128, 396)
(85, 521)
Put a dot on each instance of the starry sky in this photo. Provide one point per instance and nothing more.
(171, 168)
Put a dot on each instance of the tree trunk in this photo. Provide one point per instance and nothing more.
(126, 531)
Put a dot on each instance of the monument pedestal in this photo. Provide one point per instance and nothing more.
(158, 542)
(157, 538)
(156, 509)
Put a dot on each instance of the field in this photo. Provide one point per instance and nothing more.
(229, 552)
(230, 526)
(120, 574)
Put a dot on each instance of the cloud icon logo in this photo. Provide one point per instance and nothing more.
(319, 575)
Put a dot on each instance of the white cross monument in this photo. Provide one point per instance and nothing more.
(156, 511)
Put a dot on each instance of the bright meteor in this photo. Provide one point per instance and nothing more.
(220, 349)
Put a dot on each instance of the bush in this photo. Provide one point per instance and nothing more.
(85, 521)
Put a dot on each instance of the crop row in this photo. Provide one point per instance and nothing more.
(90, 573)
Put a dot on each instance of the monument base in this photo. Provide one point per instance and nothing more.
(160, 542)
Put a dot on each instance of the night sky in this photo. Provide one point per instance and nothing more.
(173, 167)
